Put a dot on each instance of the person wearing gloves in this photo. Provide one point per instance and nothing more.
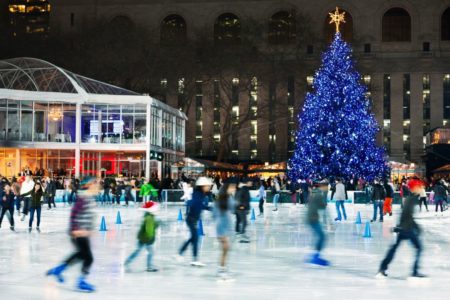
(195, 206)
(146, 235)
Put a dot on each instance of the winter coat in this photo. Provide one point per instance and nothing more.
(440, 193)
(7, 200)
(340, 192)
(36, 197)
(147, 232)
(243, 199)
(51, 188)
(26, 188)
(196, 205)
(378, 192)
(407, 222)
(148, 189)
(82, 215)
(317, 201)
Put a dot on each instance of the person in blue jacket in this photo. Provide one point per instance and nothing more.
(7, 198)
(195, 206)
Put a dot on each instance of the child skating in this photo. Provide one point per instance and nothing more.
(146, 236)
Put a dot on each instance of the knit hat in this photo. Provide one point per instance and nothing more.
(203, 181)
(150, 207)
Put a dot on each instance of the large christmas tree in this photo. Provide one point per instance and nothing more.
(337, 131)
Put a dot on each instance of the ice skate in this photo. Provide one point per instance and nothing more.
(317, 260)
(381, 275)
(223, 275)
(197, 263)
(11, 228)
(57, 272)
(84, 286)
(152, 270)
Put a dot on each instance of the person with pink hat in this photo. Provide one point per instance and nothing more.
(146, 236)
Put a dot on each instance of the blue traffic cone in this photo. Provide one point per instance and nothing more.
(118, 219)
(180, 216)
(253, 217)
(103, 225)
(367, 232)
(358, 218)
(200, 228)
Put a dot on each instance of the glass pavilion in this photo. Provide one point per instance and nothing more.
(64, 123)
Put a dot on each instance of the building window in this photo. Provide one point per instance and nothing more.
(407, 116)
(387, 112)
(291, 116)
(282, 28)
(29, 17)
(426, 103)
(181, 95)
(396, 26)
(445, 25)
(227, 29)
(216, 117)
(346, 28)
(173, 30)
(446, 98)
(198, 109)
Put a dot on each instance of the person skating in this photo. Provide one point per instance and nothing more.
(7, 199)
(423, 197)
(262, 197)
(317, 201)
(223, 207)
(339, 193)
(387, 206)
(35, 205)
(440, 195)
(146, 236)
(408, 229)
(50, 191)
(81, 226)
(243, 208)
(195, 206)
(25, 194)
(378, 195)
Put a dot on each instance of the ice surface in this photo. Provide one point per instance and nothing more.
(270, 267)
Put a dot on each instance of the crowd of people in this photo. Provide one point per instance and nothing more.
(225, 198)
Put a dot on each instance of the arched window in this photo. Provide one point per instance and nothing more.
(121, 22)
(346, 28)
(282, 28)
(396, 25)
(445, 25)
(173, 29)
(227, 29)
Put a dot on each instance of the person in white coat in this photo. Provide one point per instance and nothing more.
(25, 189)
(339, 194)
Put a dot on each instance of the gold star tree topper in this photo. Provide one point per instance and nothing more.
(337, 18)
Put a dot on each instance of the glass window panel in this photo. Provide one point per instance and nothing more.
(69, 123)
(40, 121)
(90, 125)
(140, 129)
(127, 128)
(26, 125)
(54, 127)
(2, 124)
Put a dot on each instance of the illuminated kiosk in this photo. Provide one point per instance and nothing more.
(64, 123)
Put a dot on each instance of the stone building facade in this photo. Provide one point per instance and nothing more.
(402, 49)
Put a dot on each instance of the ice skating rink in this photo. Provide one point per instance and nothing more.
(270, 267)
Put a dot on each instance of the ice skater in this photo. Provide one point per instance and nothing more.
(387, 206)
(262, 197)
(146, 236)
(317, 201)
(7, 199)
(408, 229)
(242, 209)
(195, 206)
(339, 193)
(35, 205)
(81, 226)
(423, 197)
(440, 196)
(223, 207)
(378, 195)
(25, 194)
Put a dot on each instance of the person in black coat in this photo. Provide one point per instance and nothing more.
(378, 195)
(7, 198)
(243, 208)
(50, 192)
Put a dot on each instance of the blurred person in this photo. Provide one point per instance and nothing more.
(317, 202)
(243, 208)
(387, 206)
(223, 208)
(81, 226)
(339, 193)
(378, 195)
(262, 197)
(440, 196)
(146, 236)
(275, 190)
(407, 229)
(25, 194)
(195, 206)
(423, 197)
(7, 198)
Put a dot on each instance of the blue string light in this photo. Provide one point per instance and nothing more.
(337, 131)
